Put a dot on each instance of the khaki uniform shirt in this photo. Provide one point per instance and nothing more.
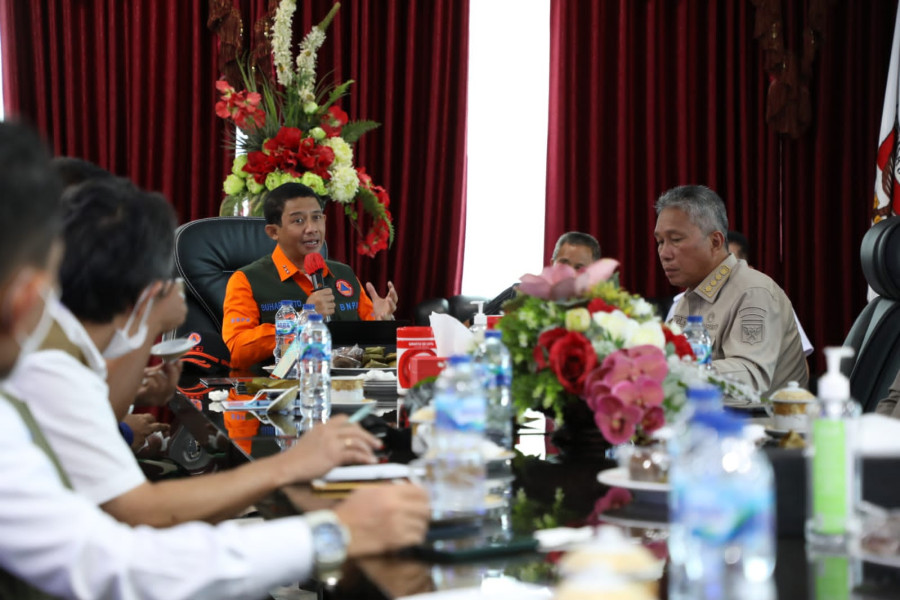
(751, 322)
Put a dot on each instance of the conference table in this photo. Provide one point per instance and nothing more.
(561, 489)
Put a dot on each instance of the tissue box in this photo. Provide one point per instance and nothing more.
(422, 367)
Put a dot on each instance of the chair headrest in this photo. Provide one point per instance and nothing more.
(208, 251)
(880, 257)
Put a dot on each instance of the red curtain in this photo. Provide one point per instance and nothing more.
(127, 85)
(131, 87)
(645, 96)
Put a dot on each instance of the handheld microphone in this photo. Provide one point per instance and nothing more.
(314, 265)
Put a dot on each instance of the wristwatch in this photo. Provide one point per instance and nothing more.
(330, 540)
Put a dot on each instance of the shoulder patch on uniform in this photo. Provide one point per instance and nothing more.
(343, 287)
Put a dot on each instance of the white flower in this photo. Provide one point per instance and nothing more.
(306, 61)
(281, 41)
(642, 308)
(343, 185)
(674, 328)
(617, 325)
(650, 333)
(343, 153)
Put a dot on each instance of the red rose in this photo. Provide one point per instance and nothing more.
(544, 344)
(333, 121)
(599, 305)
(682, 347)
(571, 358)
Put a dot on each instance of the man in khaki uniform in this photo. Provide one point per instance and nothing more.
(750, 319)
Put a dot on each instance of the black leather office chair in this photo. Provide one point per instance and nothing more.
(423, 310)
(207, 252)
(875, 335)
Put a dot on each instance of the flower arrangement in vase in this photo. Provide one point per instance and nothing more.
(591, 355)
(293, 130)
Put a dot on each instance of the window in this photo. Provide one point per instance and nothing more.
(509, 70)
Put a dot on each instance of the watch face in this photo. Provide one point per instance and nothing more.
(329, 544)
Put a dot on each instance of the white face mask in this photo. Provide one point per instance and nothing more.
(122, 343)
(30, 342)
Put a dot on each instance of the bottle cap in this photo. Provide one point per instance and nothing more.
(702, 394)
(721, 422)
(287, 302)
(695, 319)
(493, 334)
(315, 318)
(309, 307)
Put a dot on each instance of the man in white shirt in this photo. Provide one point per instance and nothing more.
(119, 248)
(53, 541)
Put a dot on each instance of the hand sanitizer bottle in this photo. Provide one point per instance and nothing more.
(830, 459)
(479, 325)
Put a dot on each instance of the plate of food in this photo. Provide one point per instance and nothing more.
(619, 477)
(363, 359)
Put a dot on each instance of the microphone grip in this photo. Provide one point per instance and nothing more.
(318, 284)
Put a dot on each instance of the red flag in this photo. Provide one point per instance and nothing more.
(887, 168)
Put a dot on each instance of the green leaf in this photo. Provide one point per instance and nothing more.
(352, 131)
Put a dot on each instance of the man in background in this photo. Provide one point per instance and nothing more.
(750, 319)
(295, 219)
(573, 248)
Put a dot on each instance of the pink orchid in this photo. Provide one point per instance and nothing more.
(642, 392)
(617, 367)
(616, 420)
(556, 282)
(594, 274)
(649, 360)
(653, 419)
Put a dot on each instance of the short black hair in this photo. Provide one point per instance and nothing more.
(29, 208)
(119, 239)
(577, 238)
(273, 205)
(72, 170)
(736, 237)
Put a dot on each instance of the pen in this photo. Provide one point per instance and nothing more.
(361, 413)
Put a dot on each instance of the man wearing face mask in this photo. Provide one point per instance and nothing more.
(119, 244)
(55, 542)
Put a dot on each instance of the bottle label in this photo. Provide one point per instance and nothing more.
(316, 351)
(284, 327)
(703, 352)
(719, 513)
(830, 476)
(465, 414)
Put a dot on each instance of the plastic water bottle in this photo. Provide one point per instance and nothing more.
(700, 340)
(458, 469)
(303, 318)
(285, 327)
(496, 364)
(315, 370)
(722, 539)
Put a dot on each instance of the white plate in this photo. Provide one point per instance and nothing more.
(172, 349)
(619, 478)
(626, 522)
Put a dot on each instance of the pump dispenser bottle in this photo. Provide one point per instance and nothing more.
(830, 458)
(479, 325)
